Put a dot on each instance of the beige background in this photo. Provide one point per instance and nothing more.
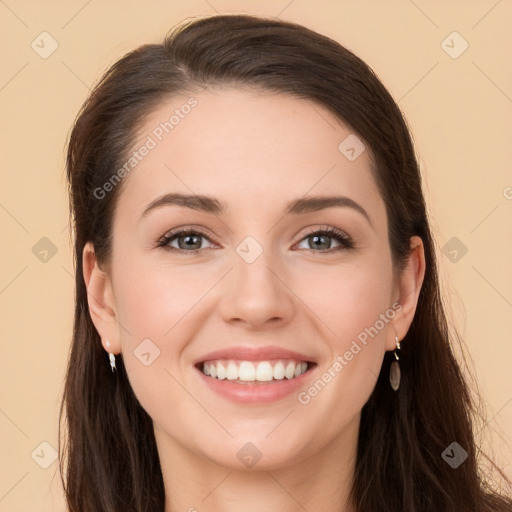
(460, 113)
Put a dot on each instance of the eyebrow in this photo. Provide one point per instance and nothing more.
(211, 205)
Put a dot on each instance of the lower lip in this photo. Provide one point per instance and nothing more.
(255, 392)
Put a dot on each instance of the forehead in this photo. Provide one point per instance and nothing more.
(251, 149)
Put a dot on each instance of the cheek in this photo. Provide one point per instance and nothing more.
(353, 308)
(153, 298)
(348, 298)
(154, 304)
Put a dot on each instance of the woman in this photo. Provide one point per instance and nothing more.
(253, 253)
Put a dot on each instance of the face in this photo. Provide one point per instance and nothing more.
(262, 323)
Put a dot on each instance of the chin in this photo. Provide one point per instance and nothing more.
(255, 452)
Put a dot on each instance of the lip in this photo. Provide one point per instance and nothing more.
(256, 393)
(242, 353)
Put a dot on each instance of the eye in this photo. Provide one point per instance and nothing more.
(189, 241)
(320, 239)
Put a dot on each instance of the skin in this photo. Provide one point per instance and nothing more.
(255, 152)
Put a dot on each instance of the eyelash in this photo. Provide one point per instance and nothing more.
(345, 241)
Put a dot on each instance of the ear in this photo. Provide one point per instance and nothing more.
(100, 298)
(409, 286)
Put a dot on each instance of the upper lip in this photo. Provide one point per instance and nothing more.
(245, 353)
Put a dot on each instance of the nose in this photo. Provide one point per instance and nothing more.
(257, 295)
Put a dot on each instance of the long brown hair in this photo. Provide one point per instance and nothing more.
(109, 460)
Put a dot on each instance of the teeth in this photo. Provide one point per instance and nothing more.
(245, 372)
(232, 371)
(249, 371)
(264, 372)
(279, 371)
(221, 371)
(290, 370)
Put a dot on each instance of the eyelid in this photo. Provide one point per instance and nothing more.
(325, 227)
(188, 228)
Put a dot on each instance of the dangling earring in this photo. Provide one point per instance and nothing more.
(394, 371)
(112, 358)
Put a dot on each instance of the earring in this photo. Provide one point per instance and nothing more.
(394, 371)
(112, 358)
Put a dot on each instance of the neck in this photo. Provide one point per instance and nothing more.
(316, 483)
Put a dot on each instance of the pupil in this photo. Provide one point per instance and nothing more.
(316, 238)
(188, 239)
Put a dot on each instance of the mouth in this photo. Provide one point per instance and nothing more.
(254, 372)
